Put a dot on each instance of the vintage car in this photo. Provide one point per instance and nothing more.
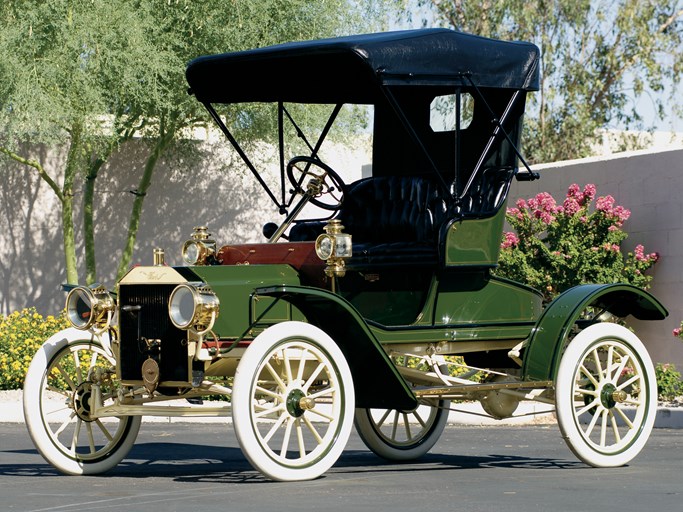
(383, 313)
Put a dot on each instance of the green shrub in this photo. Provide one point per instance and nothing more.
(557, 246)
(21, 334)
(669, 384)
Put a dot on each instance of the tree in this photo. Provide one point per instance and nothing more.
(90, 75)
(598, 57)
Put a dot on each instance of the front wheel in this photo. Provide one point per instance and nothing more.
(402, 435)
(293, 402)
(57, 393)
(606, 395)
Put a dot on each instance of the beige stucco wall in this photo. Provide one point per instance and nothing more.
(218, 192)
(649, 184)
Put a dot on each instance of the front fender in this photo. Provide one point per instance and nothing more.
(72, 334)
(549, 336)
(376, 379)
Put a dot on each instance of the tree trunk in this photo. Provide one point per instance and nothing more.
(89, 227)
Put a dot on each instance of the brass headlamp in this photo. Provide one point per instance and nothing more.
(200, 248)
(193, 307)
(90, 307)
(334, 247)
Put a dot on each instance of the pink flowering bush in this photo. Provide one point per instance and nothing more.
(557, 246)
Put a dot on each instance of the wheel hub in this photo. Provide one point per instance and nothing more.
(81, 401)
(298, 403)
(609, 395)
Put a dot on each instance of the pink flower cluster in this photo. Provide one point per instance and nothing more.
(639, 253)
(611, 247)
(577, 199)
(542, 207)
(510, 240)
(618, 213)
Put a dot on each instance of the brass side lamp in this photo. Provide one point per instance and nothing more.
(200, 249)
(334, 247)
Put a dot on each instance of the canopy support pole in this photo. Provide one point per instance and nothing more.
(242, 155)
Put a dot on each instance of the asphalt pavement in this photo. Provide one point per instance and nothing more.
(199, 467)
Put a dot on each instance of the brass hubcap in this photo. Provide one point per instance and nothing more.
(298, 403)
(619, 396)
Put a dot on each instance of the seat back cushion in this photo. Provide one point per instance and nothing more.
(393, 209)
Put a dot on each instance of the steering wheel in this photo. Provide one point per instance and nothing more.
(324, 181)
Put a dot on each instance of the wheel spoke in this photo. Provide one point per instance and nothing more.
(77, 364)
(275, 376)
(104, 430)
(588, 374)
(267, 411)
(407, 426)
(633, 401)
(285, 438)
(77, 432)
(394, 426)
(591, 425)
(312, 429)
(594, 403)
(65, 424)
(313, 377)
(383, 418)
(93, 362)
(322, 414)
(287, 365)
(323, 392)
(91, 438)
(615, 428)
(263, 391)
(419, 419)
(584, 391)
(300, 439)
(625, 418)
(57, 390)
(66, 376)
(598, 365)
(603, 427)
(627, 383)
(623, 361)
(302, 365)
(275, 427)
(610, 356)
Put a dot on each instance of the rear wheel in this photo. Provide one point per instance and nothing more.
(402, 435)
(293, 402)
(606, 395)
(57, 393)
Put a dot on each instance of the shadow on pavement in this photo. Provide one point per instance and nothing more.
(200, 463)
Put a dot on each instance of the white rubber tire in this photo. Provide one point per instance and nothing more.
(602, 428)
(281, 435)
(402, 435)
(73, 445)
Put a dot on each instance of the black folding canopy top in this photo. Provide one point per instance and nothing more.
(351, 69)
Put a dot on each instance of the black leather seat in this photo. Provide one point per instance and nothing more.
(401, 219)
(393, 220)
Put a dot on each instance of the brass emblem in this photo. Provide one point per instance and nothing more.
(150, 375)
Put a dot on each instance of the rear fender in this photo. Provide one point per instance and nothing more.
(548, 338)
(376, 379)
